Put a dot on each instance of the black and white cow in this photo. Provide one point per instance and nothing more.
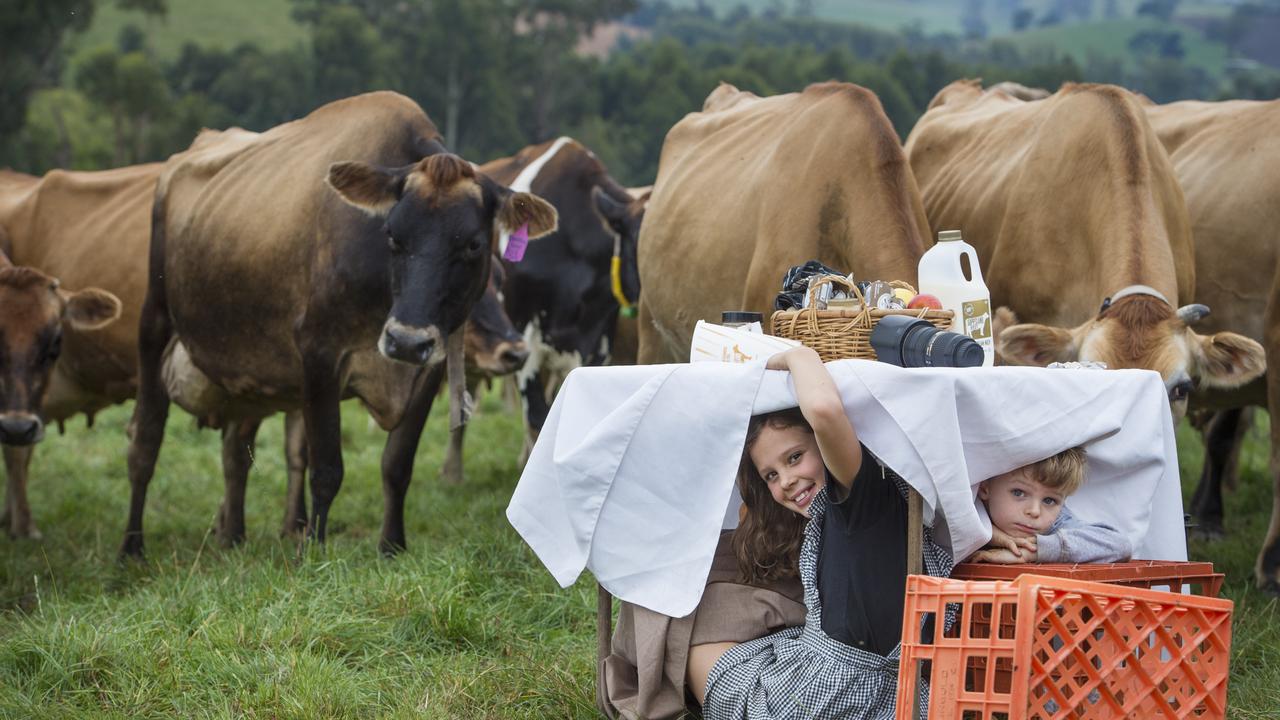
(565, 295)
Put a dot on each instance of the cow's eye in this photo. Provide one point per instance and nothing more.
(393, 244)
(1180, 391)
(476, 245)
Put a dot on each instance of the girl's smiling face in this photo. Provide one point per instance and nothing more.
(790, 464)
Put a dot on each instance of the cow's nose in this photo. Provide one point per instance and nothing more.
(410, 347)
(20, 429)
(514, 358)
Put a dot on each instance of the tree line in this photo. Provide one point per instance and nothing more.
(496, 75)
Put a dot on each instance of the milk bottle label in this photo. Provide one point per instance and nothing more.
(977, 322)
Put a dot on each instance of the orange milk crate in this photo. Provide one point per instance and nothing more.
(1176, 576)
(1063, 648)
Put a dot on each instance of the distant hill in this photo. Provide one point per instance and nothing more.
(220, 23)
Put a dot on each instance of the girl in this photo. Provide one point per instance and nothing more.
(807, 463)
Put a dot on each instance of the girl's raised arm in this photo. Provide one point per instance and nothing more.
(820, 404)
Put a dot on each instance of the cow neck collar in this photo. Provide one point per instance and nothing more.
(1133, 290)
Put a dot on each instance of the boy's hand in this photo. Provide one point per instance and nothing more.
(1002, 556)
(1017, 546)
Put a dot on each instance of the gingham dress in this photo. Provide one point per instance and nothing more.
(803, 673)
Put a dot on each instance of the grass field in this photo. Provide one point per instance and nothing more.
(466, 624)
(223, 24)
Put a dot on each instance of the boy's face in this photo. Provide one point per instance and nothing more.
(791, 465)
(1019, 505)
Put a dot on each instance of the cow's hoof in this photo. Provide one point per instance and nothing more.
(390, 548)
(1270, 587)
(451, 477)
(29, 533)
(131, 549)
(291, 529)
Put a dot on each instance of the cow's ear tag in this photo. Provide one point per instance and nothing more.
(516, 244)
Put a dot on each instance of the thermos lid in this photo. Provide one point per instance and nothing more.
(740, 316)
(948, 235)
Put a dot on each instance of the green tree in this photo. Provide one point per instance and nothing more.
(131, 88)
(31, 52)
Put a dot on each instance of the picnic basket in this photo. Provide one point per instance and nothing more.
(843, 333)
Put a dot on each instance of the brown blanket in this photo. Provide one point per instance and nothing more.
(643, 676)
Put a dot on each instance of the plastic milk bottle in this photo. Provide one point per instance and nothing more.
(941, 274)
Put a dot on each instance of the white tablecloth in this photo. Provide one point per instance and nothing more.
(633, 474)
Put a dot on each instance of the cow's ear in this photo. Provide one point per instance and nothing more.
(612, 210)
(521, 208)
(91, 309)
(372, 189)
(1227, 360)
(1031, 344)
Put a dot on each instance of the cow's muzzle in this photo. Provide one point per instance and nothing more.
(18, 428)
(415, 345)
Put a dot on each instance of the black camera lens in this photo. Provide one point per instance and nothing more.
(907, 341)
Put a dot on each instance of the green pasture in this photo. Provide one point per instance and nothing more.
(1110, 40)
(223, 24)
(942, 16)
(466, 624)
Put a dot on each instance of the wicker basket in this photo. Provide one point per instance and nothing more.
(840, 334)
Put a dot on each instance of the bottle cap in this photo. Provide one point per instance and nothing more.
(740, 316)
(948, 235)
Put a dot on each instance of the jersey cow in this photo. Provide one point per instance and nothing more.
(564, 294)
(1072, 205)
(330, 257)
(752, 185)
(1224, 155)
(63, 352)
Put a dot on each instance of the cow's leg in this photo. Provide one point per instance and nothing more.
(17, 513)
(534, 395)
(1267, 569)
(1231, 469)
(397, 460)
(323, 418)
(1220, 438)
(451, 471)
(238, 438)
(295, 456)
(150, 412)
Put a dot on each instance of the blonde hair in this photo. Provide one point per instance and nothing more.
(1063, 472)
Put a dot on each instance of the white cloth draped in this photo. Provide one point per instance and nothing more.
(633, 474)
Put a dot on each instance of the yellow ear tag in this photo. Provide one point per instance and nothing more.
(615, 275)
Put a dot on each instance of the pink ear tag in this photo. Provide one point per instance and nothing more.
(516, 244)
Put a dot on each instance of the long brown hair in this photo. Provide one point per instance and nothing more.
(767, 542)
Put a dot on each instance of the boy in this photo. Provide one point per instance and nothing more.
(1029, 522)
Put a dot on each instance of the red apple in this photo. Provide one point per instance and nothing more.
(925, 300)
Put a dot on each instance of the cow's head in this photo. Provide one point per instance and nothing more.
(624, 219)
(1141, 330)
(492, 344)
(438, 216)
(34, 311)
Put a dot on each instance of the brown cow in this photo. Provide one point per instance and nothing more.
(328, 257)
(1224, 154)
(1072, 205)
(752, 185)
(79, 228)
